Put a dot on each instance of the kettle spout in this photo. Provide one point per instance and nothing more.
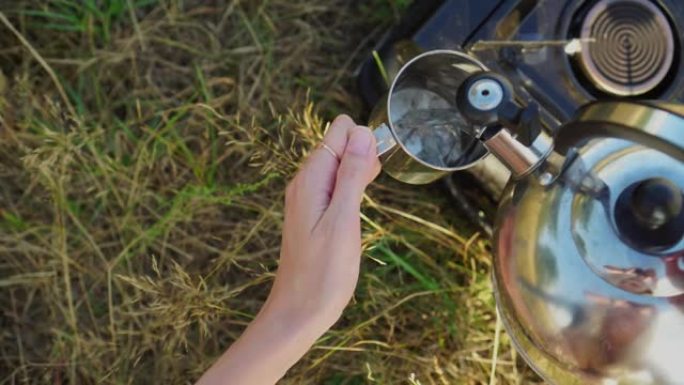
(519, 158)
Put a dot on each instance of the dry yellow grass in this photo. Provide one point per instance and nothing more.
(144, 146)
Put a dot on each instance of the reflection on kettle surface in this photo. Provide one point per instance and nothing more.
(644, 281)
(575, 321)
(674, 267)
(607, 332)
(632, 279)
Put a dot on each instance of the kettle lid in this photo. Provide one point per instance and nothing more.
(631, 232)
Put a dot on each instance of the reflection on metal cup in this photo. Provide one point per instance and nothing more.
(421, 135)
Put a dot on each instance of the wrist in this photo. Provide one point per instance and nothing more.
(300, 325)
(272, 343)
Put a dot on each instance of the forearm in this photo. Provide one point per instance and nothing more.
(263, 354)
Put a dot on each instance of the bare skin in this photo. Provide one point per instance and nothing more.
(319, 260)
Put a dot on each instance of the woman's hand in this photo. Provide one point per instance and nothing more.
(319, 260)
(321, 248)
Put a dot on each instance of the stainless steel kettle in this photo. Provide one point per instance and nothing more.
(589, 243)
(589, 265)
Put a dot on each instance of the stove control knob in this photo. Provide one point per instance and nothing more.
(487, 99)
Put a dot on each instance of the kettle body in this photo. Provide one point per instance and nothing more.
(587, 296)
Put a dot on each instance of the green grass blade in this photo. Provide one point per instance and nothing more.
(58, 27)
(50, 15)
(427, 282)
(381, 67)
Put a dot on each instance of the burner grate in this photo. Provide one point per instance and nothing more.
(628, 47)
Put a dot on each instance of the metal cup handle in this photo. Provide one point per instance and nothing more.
(384, 139)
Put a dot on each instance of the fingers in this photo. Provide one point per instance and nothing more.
(358, 167)
(336, 136)
(336, 139)
(310, 191)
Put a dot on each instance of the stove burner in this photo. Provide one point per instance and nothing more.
(628, 46)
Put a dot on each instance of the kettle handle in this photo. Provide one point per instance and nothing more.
(653, 124)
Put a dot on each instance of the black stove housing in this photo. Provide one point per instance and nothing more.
(530, 37)
(543, 73)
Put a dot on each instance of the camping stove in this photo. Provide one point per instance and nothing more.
(559, 54)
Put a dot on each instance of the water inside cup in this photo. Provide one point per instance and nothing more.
(431, 129)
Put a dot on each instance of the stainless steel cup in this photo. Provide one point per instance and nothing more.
(420, 134)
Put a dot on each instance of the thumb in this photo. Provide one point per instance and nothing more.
(358, 167)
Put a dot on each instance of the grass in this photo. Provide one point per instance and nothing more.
(144, 149)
